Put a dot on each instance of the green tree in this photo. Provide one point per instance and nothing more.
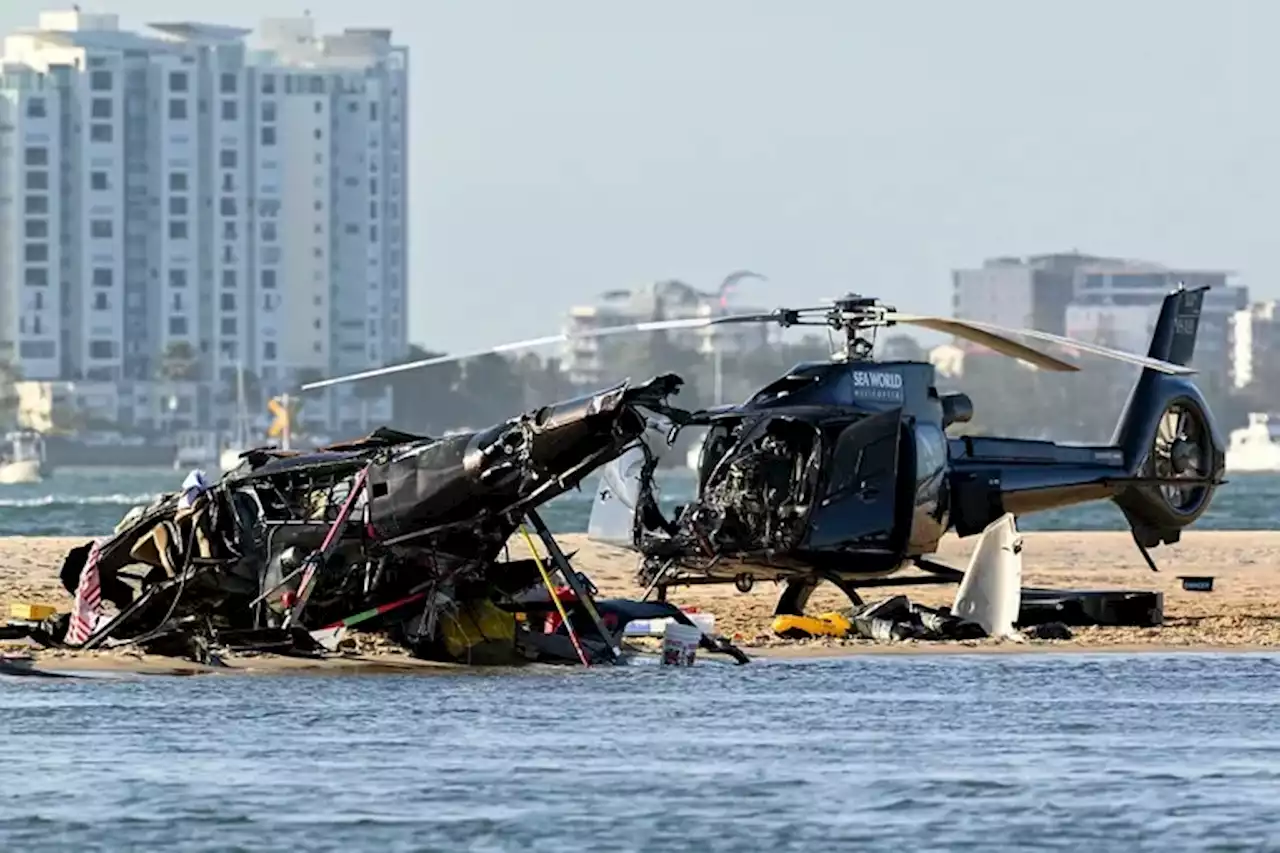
(10, 375)
(179, 363)
(425, 400)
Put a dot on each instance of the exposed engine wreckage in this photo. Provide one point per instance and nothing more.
(395, 532)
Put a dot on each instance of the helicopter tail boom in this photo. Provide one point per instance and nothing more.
(1173, 448)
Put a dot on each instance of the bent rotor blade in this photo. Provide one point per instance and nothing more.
(1048, 337)
(990, 340)
(632, 328)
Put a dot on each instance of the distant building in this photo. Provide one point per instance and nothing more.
(180, 189)
(1021, 292)
(591, 361)
(1118, 307)
(1255, 345)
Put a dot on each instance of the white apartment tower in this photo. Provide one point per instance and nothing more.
(187, 193)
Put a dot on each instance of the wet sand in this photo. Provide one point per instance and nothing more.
(1241, 614)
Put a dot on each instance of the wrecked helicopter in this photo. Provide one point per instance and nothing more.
(396, 532)
(843, 471)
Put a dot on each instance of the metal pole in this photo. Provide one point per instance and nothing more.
(719, 377)
(288, 421)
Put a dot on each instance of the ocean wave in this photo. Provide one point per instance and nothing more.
(78, 500)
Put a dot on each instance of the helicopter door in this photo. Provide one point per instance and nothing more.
(858, 507)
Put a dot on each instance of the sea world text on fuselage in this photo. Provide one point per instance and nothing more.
(876, 384)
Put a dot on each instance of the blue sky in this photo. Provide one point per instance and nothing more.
(565, 147)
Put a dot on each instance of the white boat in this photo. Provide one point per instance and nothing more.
(25, 460)
(1255, 447)
(197, 448)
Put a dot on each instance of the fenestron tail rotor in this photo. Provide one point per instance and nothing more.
(850, 314)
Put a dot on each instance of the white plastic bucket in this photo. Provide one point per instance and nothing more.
(680, 644)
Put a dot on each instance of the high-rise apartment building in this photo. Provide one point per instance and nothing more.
(192, 195)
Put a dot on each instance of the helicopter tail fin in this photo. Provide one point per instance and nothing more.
(1173, 447)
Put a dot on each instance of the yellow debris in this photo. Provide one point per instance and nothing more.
(31, 612)
(824, 625)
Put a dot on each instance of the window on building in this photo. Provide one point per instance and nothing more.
(268, 84)
(228, 325)
(103, 277)
(228, 302)
(36, 277)
(37, 204)
(177, 108)
(227, 205)
(269, 232)
(319, 106)
(37, 229)
(319, 134)
(373, 233)
(101, 302)
(229, 231)
(102, 349)
(101, 229)
(268, 111)
(352, 228)
(98, 181)
(99, 132)
(100, 108)
(227, 83)
(178, 205)
(178, 182)
(178, 229)
(373, 111)
(268, 279)
(36, 108)
(178, 277)
(229, 279)
(230, 110)
(228, 183)
(100, 81)
(227, 158)
(36, 156)
(268, 350)
(177, 326)
(177, 81)
(37, 179)
(36, 253)
(268, 136)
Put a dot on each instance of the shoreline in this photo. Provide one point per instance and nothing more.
(1240, 616)
(123, 664)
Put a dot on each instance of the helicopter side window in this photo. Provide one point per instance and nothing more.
(931, 450)
(857, 462)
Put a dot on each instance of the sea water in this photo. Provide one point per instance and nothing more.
(1164, 752)
(89, 502)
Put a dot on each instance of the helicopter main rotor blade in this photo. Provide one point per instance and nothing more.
(990, 340)
(972, 328)
(531, 343)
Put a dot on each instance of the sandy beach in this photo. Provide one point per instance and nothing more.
(1241, 613)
